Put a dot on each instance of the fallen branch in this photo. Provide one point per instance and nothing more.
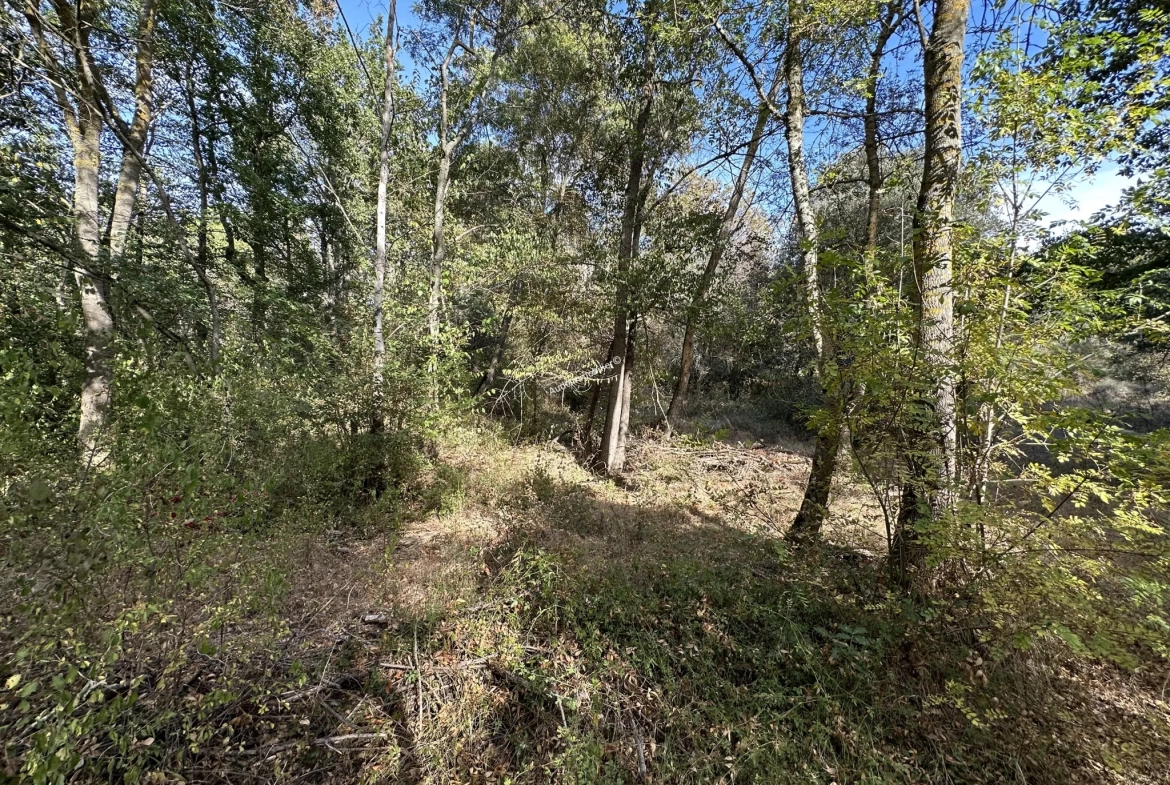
(477, 663)
(327, 741)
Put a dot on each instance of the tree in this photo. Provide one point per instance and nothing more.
(384, 153)
(928, 495)
(617, 412)
(86, 106)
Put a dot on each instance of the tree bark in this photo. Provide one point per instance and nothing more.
(890, 20)
(932, 455)
(616, 415)
(722, 238)
(83, 126)
(376, 421)
(447, 147)
(97, 320)
(201, 250)
(438, 241)
(814, 506)
(489, 377)
(134, 143)
(623, 432)
(798, 174)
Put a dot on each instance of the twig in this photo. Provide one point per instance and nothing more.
(327, 741)
(418, 671)
(638, 744)
(477, 663)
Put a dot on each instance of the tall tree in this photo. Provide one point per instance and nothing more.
(815, 504)
(380, 239)
(481, 54)
(888, 22)
(928, 492)
(617, 414)
(86, 106)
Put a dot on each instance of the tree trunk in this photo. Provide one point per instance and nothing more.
(376, 421)
(135, 138)
(438, 242)
(489, 376)
(627, 368)
(686, 363)
(611, 431)
(616, 417)
(889, 23)
(932, 459)
(798, 173)
(442, 181)
(815, 505)
(201, 250)
(722, 238)
(83, 125)
(97, 321)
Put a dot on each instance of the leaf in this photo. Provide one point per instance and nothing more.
(1070, 637)
(12, 682)
(38, 490)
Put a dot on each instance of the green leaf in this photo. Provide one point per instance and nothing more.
(38, 490)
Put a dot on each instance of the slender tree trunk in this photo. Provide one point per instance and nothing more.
(814, 507)
(611, 430)
(489, 376)
(982, 469)
(438, 242)
(627, 389)
(376, 422)
(223, 210)
(932, 458)
(447, 147)
(613, 436)
(201, 250)
(135, 139)
(83, 126)
(686, 364)
(798, 173)
(891, 17)
(587, 431)
(722, 238)
(97, 321)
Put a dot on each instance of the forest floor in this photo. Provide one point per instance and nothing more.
(553, 626)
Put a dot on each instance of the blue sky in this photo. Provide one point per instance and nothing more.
(362, 13)
(1089, 194)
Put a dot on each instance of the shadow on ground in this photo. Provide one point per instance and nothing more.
(578, 637)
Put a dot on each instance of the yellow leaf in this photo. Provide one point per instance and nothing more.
(13, 682)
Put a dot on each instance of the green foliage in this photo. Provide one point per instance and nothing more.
(147, 605)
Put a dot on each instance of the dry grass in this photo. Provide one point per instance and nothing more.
(557, 627)
(551, 626)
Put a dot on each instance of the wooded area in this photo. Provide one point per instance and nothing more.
(525, 391)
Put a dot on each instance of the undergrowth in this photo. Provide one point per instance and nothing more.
(591, 636)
